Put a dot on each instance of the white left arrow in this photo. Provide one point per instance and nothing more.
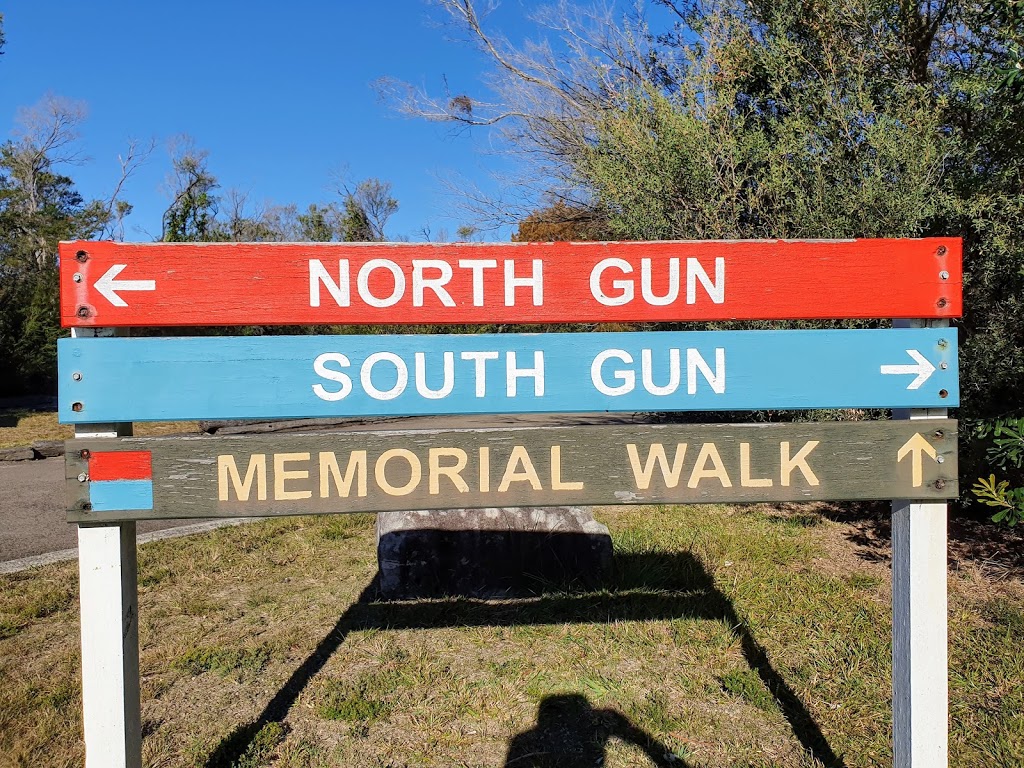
(923, 369)
(109, 287)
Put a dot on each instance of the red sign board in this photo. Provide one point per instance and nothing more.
(128, 284)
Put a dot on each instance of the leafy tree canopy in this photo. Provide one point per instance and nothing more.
(796, 119)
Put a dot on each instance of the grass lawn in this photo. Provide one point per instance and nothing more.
(729, 636)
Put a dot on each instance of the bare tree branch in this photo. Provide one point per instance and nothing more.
(46, 134)
(134, 157)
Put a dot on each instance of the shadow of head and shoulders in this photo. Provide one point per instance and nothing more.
(571, 733)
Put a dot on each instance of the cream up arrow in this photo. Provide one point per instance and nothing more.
(109, 287)
(923, 369)
(917, 445)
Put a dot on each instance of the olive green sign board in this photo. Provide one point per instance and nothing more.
(292, 474)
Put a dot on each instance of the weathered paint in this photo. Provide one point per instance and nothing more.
(546, 466)
(165, 379)
(160, 284)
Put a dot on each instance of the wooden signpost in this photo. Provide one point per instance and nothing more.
(162, 284)
(107, 382)
(150, 478)
(317, 376)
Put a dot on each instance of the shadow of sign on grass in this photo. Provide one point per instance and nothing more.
(645, 587)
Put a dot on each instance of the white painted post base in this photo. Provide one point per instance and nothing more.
(920, 696)
(108, 578)
(919, 656)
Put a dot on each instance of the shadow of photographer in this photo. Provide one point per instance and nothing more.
(649, 586)
(570, 733)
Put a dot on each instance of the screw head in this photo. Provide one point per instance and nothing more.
(943, 366)
(77, 407)
(941, 250)
(940, 459)
(84, 453)
(82, 312)
(77, 277)
(944, 275)
(82, 477)
(941, 302)
(76, 376)
(82, 257)
(940, 483)
(943, 343)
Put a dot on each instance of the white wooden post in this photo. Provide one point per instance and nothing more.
(109, 599)
(920, 708)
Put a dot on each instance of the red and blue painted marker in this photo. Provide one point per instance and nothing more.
(120, 480)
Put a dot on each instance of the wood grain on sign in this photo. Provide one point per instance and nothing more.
(158, 284)
(266, 377)
(607, 464)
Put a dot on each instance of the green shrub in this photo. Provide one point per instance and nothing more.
(1004, 440)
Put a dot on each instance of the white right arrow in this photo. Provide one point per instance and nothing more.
(923, 369)
(109, 287)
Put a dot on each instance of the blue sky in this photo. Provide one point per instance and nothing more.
(280, 94)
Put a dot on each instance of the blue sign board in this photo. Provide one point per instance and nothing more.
(167, 379)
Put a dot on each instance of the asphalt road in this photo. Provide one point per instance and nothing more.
(32, 504)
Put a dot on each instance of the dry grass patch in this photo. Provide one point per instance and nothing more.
(20, 427)
(725, 637)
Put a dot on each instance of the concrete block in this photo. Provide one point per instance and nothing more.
(492, 552)
(48, 449)
(17, 454)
